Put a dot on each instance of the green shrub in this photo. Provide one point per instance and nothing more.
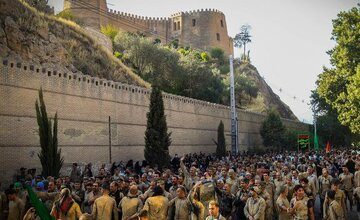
(182, 51)
(66, 14)
(110, 31)
(118, 55)
(224, 69)
(205, 57)
(174, 43)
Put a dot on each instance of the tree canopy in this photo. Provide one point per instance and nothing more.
(242, 38)
(272, 130)
(339, 85)
(157, 138)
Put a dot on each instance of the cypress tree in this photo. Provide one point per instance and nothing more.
(50, 155)
(220, 143)
(157, 139)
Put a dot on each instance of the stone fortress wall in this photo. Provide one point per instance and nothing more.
(203, 29)
(84, 104)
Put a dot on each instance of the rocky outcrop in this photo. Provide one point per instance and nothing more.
(267, 99)
(14, 37)
(33, 37)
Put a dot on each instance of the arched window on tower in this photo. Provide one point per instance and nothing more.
(222, 23)
(193, 22)
(178, 26)
(218, 36)
(174, 26)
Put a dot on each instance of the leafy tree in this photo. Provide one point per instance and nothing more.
(199, 81)
(182, 71)
(220, 143)
(272, 131)
(218, 55)
(242, 38)
(50, 156)
(328, 126)
(340, 84)
(290, 139)
(245, 88)
(157, 139)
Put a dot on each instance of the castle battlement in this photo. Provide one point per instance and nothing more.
(135, 17)
(87, 82)
(196, 11)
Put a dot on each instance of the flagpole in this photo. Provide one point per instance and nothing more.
(316, 141)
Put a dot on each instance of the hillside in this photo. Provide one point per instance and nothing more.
(34, 37)
(266, 98)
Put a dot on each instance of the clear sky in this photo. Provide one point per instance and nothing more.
(289, 37)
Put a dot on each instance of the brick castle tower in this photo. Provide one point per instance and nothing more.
(203, 29)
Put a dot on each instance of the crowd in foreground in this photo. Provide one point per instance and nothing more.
(271, 186)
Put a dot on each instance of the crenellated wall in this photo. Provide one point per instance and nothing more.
(84, 104)
(203, 35)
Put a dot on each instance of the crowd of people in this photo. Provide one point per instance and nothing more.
(275, 185)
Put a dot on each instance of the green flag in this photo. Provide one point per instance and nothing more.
(41, 209)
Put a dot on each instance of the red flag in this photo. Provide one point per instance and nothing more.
(327, 149)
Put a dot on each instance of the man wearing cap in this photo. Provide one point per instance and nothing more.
(255, 205)
(130, 204)
(50, 196)
(105, 207)
(20, 192)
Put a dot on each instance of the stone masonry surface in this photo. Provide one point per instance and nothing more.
(84, 104)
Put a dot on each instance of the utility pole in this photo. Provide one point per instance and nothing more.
(109, 139)
(233, 114)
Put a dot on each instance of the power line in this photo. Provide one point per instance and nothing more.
(289, 95)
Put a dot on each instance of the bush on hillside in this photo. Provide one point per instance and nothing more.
(109, 30)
